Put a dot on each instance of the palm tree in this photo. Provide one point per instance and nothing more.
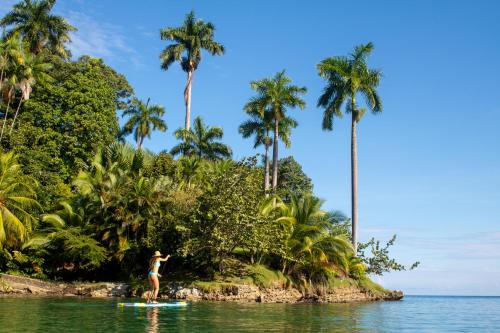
(144, 120)
(11, 52)
(119, 199)
(54, 223)
(33, 70)
(188, 42)
(38, 27)
(346, 78)
(17, 199)
(312, 252)
(276, 94)
(189, 171)
(260, 124)
(201, 142)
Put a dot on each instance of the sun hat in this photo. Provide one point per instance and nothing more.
(157, 254)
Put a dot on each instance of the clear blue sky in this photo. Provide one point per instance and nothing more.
(429, 165)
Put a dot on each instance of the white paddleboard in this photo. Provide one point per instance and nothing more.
(153, 305)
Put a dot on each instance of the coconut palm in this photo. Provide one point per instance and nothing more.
(34, 69)
(144, 119)
(38, 27)
(201, 141)
(17, 200)
(313, 253)
(260, 124)
(276, 94)
(348, 77)
(188, 42)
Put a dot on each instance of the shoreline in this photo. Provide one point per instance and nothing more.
(19, 286)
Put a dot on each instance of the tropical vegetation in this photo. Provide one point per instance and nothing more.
(77, 201)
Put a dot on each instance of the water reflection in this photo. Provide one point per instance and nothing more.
(152, 317)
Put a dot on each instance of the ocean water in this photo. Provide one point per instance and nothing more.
(413, 314)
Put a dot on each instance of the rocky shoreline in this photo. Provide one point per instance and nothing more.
(22, 286)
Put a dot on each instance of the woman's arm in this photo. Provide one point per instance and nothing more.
(165, 259)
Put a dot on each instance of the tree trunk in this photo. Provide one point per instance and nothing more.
(275, 155)
(221, 264)
(266, 171)
(187, 99)
(5, 119)
(354, 184)
(140, 141)
(1, 79)
(15, 116)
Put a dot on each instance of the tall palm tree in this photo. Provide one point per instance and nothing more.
(188, 42)
(38, 27)
(276, 94)
(201, 142)
(346, 78)
(260, 124)
(34, 69)
(17, 199)
(144, 119)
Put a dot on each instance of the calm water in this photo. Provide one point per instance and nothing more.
(413, 314)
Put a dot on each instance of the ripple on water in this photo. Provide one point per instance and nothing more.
(413, 314)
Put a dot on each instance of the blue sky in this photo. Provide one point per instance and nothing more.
(429, 165)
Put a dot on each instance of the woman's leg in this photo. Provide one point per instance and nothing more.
(156, 286)
(151, 288)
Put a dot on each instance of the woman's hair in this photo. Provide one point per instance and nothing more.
(151, 262)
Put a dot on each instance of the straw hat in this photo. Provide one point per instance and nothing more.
(157, 254)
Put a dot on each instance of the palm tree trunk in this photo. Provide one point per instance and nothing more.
(140, 142)
(266, 171)
(187, 99)
(15, 116)
(1, 79)
(275, 155)
(5, 119)
(354, 184)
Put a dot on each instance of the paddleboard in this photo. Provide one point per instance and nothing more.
(153, 305)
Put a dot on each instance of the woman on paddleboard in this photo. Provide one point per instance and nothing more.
(153, 275)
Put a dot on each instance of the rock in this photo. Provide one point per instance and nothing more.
(188, 293)
(10, 284)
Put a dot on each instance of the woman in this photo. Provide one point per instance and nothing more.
(154, 283)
